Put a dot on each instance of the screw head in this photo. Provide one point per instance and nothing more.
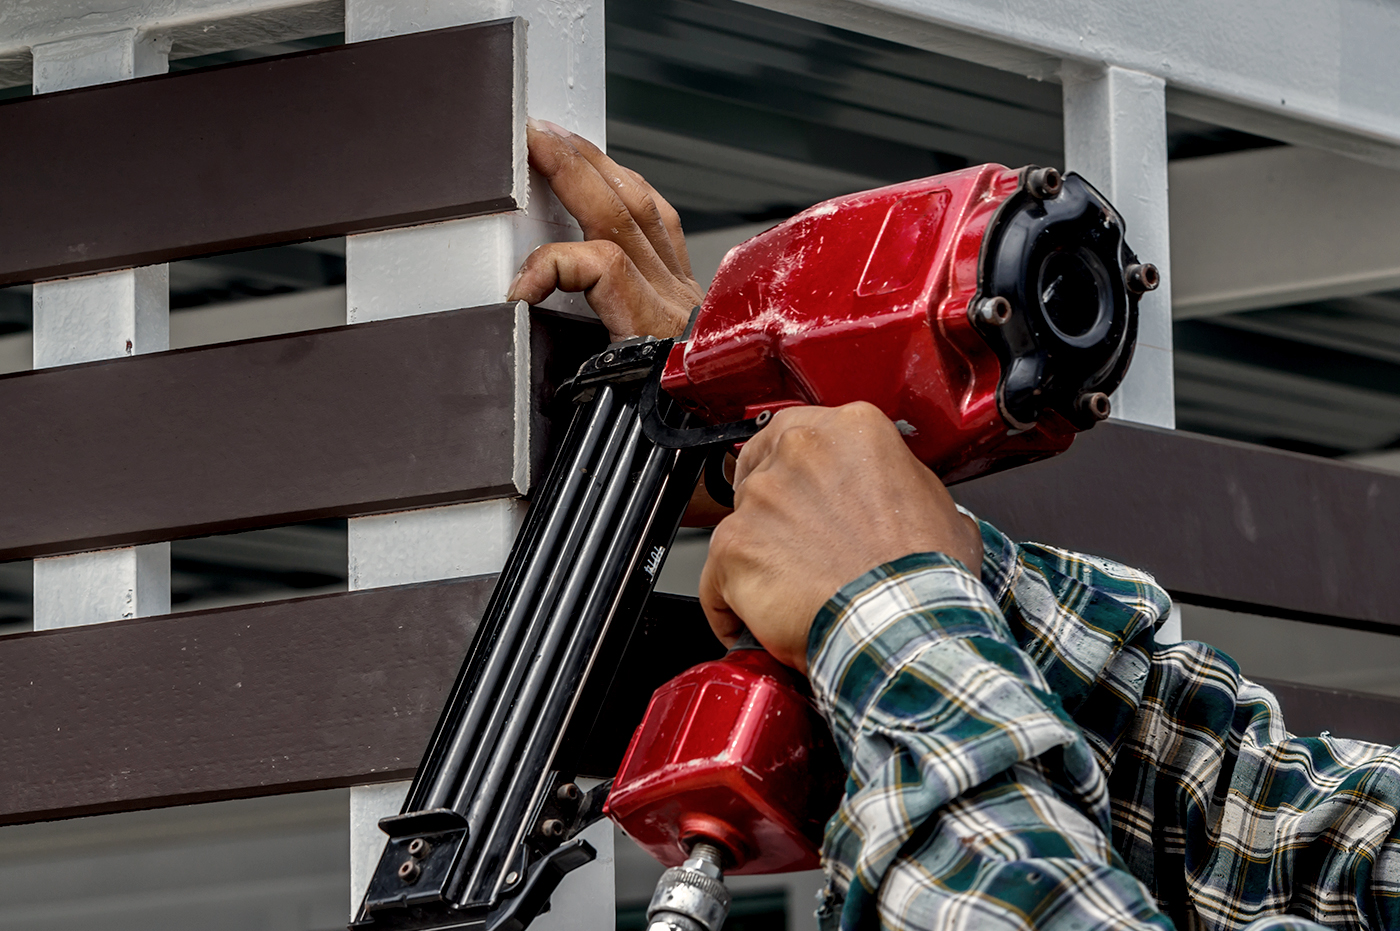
(762, 419)
(512, 878)
(1095, 404)
(1141, 278)
(1044, 183)
(418, 848)
(409, 871)
(993, 311)
(609, 356)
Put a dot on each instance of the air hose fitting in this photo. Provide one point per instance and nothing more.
(692, 896)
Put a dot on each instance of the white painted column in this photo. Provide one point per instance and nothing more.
(100, 317)
(1116, 137)
(464, 263)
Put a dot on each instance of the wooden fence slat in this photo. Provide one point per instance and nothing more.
(346, 139)
(309, 693)
(284, 696)
(1218, 523)
(328, 691)
(328, 423)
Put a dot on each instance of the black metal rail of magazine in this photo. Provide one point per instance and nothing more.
(488, 828)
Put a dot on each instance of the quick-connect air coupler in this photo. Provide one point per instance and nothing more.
(692, 896)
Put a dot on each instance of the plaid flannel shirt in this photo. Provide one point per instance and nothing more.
(1023, 754)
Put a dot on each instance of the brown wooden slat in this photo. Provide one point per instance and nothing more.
(321, 143)
(337, 422)
(1217, 522)
(277, 697)
(329, 691)
(1309, 710)
(335, 690)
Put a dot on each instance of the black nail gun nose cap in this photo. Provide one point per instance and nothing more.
(1060, 261)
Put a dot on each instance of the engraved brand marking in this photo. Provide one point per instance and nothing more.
(654, 561)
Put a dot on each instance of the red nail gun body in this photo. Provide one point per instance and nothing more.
(988, 313)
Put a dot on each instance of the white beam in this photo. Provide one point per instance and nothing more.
(1116, 137)
(100, 317)
(1314, 73)
(1269, 227)
(463, 263)
(205, 25)
(108, 585)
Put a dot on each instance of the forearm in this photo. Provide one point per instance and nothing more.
(972, 795)
(1225, 816)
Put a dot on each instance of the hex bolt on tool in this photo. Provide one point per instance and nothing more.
(988, 312)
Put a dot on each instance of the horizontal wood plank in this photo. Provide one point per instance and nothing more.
(278, 697)
(335, 690)
(1216, 522)
(338, 422)
(330, 691)
(1309, 710)
(340, 140)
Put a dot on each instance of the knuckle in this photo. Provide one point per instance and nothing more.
(798, 441)
(787, 418)
(722, 540)
(668, 213)
(758, 488)
(610, 253)
(863, 412)
(649, 212)
(617, 217)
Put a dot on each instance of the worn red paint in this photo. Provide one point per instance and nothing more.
(865, 297)
(733, 751)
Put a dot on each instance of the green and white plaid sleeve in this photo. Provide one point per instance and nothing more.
(1229, 820)
(989, 724)
(973, 799)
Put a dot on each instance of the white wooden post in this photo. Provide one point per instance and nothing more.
(100, 317)
(1116, 137)
(444, 266)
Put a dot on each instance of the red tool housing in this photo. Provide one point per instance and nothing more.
(890, 296)
(732, 751)
(988, 313)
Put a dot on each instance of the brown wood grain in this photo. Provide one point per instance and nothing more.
(329, 691)
(334, 690)
(339, 140)
(337, 422)
(310, 693)
(1216, 522)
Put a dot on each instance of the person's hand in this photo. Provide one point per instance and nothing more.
(632, 265)
(822, 496)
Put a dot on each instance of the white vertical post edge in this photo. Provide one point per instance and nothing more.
(1170, 631)
(108, 585)
(586, 899)
(367, 805)
(100, 317)
(1116, 137)
(465, 263)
